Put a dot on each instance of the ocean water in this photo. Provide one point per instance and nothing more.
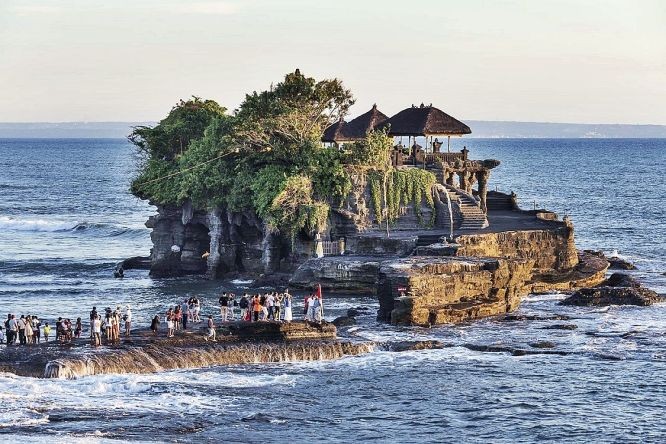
(66, 218)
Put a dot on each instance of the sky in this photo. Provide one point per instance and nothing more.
(583, 61)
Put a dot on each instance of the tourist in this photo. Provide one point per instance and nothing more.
(170, 325)
(243, 304)
(311, 308)
(224, 306)
(96, 329)
(211, 329)
(270, 307)
(93, 316)
(306, 301)
(155, 325)
(264, 308)
(2, 336)
(287, 306)
(78, 329)
(231, 305)
(197, 310)
(256, 307)
(21, 330)
(14, 325)
(116, 324)
(128, 321)
(108, 329)
(47, 332)
(318, 311)
(186, 313)
(177, 317)
(36, 329)
(8, 323)
(28, 330)
(276, 307)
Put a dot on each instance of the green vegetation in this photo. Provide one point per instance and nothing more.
(393, 188)
(267, 158)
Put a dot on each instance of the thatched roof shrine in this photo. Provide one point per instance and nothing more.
(355, 129)
(424, 121)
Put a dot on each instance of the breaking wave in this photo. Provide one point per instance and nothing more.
(43, 225)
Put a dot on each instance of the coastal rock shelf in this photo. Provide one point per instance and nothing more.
(238, 343)
(450, 290)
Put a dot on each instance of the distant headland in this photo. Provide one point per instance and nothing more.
(482, 129)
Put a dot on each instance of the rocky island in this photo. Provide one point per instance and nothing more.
(286, 190)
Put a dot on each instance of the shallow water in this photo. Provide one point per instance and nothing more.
(66, 218)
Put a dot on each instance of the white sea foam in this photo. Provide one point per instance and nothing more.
(242, 281)
(10, 223)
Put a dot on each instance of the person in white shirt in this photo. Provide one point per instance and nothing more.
(128, 321)
(96, 331)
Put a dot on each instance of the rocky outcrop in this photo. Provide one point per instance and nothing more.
(550, 249)
(449, 290)
(617, 263)
(618, 289)
(339, 273)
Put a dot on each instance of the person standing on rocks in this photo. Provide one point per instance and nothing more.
(224, 306)
(270, 304)
(96, 331)
(256, 307)
(287, 306)
(211, 329)
(231, 303)
(155, 325)
(128, 321)
(47, 332)
(244, 303)
(277, 306)
(184, 307)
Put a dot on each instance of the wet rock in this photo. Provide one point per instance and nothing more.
(352, 312)
(513, 350)
(136, 263)
(621, 280)
(344, 321)
(542, 344)
(603, 296)
(618, 289)
(617, 263)
(555, 317)
(561, 327)
(402, 346)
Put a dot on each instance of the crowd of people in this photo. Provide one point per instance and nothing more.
(106, 327)
(28, 330)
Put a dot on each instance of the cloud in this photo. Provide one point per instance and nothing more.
(206, 7)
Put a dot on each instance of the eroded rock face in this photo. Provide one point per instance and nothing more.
(339, 273)
(552, 249)
(414, 291)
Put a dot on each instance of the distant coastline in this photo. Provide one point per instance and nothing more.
(480, 129)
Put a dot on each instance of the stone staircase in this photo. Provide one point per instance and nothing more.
(473, 217)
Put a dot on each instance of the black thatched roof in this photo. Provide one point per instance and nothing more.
(355, 129)
(335, 132)
(359, 127)
(423, 121)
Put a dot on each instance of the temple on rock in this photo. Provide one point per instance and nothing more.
(421, 230)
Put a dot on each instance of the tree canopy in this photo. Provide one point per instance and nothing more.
(265, 157)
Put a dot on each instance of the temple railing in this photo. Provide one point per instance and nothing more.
(398, 158)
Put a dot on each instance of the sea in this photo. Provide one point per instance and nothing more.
(67, 218)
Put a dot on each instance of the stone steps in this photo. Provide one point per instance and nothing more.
(473, 216)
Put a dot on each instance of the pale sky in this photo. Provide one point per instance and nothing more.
(131, 60)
